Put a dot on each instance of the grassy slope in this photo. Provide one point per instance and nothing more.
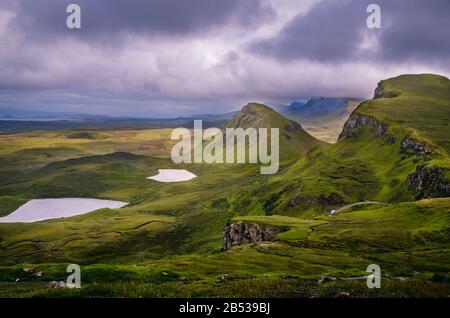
(169, 245)
(366, 167)
(290, 267)
(294, 143)
(421, 109)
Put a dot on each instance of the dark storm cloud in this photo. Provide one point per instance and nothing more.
(169, 57)
(46, 18)
(417, 30)
(329, 31)
(334, 31)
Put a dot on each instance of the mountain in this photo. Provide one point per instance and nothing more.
(316, 106)
(323, 117)
(296, 105)
(19, 120)
(12, 113)
(393, 148)
(294, 140)
(232, 232)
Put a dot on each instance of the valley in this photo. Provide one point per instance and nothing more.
(173, 239)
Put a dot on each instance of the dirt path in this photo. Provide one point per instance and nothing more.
(358, 204)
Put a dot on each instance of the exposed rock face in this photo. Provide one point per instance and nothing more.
(56, 284)
(378, 92)
(240, 233)
(428, 183)
(381, 93)
(357, 121)
(411, 144)
(333, 199)
(292, 127)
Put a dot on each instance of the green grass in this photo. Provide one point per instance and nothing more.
(167, 242)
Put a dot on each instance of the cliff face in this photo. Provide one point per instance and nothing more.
(378, 92)
(357, 121)
(413, 145)
(381, 93)
(428, 183)
(240, 233)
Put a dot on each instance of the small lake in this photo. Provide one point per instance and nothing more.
(45, 209)
(173, 175)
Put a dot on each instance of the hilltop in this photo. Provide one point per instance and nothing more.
(393, 148)
(231, 231)
(294, 140)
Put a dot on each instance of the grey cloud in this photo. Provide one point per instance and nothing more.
(189, 56)
(329, 31)
(333, 31)
(45, 19)
(417, 30)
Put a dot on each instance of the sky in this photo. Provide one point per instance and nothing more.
(170, 58)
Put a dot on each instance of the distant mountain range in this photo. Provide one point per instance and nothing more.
(323, 117)
(23, 114)
(20, 120)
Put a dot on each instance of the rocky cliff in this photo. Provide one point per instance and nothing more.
(428, 182)
(240, 233)
(410, 144)
(357, 121)
(380, 92)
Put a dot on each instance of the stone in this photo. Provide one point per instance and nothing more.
(55, 284)
(236, 234)
(381, 93)
(343, 294)
(428, 182)
(357, 121)
(418, 148)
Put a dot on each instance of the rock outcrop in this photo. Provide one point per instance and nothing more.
(381, 93)
(56, 284)
(240, 233)
(428, 183)
(410, 144)
(357, 121)
(378, 92)
(331, 200)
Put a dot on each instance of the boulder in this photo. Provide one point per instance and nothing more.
(240, 233)
(55, 284)
(428, 182)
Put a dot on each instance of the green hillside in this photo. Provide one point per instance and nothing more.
(295, 142)
(417, 105)
(382, 144)
(169, 241)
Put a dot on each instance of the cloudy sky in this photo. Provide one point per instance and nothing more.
(163, 58)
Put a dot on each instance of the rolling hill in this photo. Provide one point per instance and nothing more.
(393, 148)
(170, 240)
(294, 140)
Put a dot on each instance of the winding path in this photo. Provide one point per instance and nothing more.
(356, 204)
